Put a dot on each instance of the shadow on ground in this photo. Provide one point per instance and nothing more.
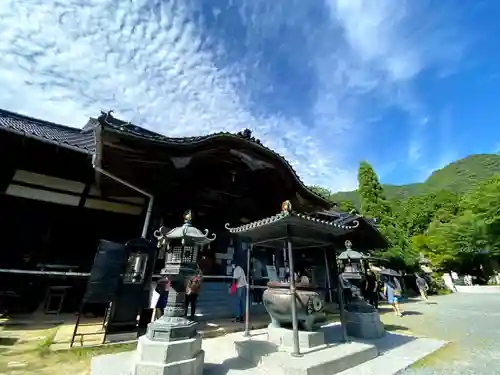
(8, 341)
(394, 327)
(224, 367)
(409, 313)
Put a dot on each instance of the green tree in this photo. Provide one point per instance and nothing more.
(321, 191)
(484, 202)
(373, 201)
(375, 205)
(456, 243)
(420, 210)
(346, 205)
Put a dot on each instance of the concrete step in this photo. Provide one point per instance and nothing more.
(215, 302)
(318, 361)
(215, 311)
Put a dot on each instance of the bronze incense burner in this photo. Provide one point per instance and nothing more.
(278, 303)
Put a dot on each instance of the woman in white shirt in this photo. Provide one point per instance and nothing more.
(240, 281)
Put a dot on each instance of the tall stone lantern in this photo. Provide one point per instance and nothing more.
(171, 342)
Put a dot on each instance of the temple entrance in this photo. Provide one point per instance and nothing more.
(222, 178)
(220, 187)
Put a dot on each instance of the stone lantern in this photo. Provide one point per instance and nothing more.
(172, 343)
(351, 262)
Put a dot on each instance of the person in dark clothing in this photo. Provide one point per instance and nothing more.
(371, 289)
(162, 288)
(257, 281)
(422, 287)
(193, 287)
(346, 289)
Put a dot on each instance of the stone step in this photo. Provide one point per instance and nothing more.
(213, 311)
(327, 360)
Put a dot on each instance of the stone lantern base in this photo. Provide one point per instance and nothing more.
(171, 345)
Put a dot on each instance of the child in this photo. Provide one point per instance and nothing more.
(393, 294)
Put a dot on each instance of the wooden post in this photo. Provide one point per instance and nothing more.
(247, 297)
(340, 296)
(295, 322)
(328, 277)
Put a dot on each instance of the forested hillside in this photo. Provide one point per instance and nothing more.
(458, 177)
(451, 219)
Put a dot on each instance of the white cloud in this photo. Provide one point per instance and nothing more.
(400, 39)
(155, 65)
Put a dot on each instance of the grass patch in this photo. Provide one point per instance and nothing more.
(448, 353)
(32, 355)
(43, 346)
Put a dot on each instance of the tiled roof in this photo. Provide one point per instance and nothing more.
(344, 218)
(63, 135)
(85, 139)
(287, 214)
(107, 120)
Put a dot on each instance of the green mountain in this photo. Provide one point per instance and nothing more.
(459, 177)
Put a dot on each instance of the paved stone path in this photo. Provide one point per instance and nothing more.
(470, 321)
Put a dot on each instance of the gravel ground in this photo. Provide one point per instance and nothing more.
(470, 321)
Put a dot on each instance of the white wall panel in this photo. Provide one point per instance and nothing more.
(48, 181)
(99, 204)
(42, 195)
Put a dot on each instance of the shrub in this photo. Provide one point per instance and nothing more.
(437, 285)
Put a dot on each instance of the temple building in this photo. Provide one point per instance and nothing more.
(62, 189)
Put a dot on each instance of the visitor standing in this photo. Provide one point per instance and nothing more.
(371, 295)
(239, 289)
(468, 279)
(193, 287)
(422, 286)
(454, 278)
(392, 293)
(301, 277)
(162, 288)
(257, 281)
(346, 289)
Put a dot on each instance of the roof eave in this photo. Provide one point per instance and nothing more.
(47, 140)
(319, 200)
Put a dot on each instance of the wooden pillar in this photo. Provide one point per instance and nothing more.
(295, 322)
(247, 297)
(90, 178)
(328, 276)
(340, 297)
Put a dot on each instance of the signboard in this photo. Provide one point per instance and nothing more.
(282, 273)
(271, 273)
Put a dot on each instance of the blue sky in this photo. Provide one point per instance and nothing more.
(407, 85)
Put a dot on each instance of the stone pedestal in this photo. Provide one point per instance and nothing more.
(283, 338)
(171, 345)
(364, 322)
(268, 352)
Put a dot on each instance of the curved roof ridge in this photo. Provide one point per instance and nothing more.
(285, 214)
(108, 120)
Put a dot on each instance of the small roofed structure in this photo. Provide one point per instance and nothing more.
(366, 238)
(293, 230)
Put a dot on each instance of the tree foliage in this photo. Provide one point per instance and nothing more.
(454, 224)
(322, 192)
(375, 205)
(457, 177)
(347, 206)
